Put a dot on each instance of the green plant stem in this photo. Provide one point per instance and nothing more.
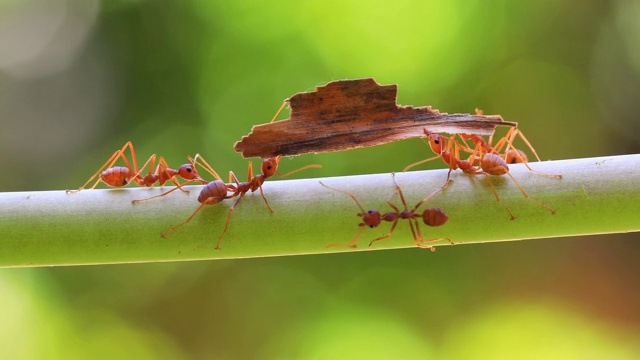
(595, 196)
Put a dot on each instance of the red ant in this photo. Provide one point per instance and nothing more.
(372, 218)
(217, 190)
(511, 155)
(207, 191)
(213, 192)
(476, 164)
(118, 176)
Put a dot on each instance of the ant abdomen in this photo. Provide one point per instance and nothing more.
(515, 157)
(494, 165)
(212, 193)
(116, 176)
(435, 217)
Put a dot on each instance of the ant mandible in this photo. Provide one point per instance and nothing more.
(119, 176)
(373, 218)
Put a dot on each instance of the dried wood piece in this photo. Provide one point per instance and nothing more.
(348, 114)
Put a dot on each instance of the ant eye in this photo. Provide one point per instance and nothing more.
(189, 169)
(370, 211)
(371, 226)
(436, 140)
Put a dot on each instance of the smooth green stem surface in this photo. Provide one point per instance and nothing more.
(595, 196)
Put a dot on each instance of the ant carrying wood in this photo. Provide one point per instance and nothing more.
(511, 155)
(373, 218)
(478, 163)
(216, 191)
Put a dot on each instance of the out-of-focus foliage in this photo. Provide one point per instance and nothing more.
(79, 78)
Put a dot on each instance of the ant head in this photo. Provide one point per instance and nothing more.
(270, 166)
(188, 172)
(371, 218)
(435, 141)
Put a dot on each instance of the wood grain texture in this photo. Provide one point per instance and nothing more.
(348, 114)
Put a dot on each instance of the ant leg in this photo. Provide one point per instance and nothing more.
(205, 165)
(250, 178)
(265, 199)
(430, 196)
(395, 208)
(231, 187)
(417, 236)
(346, 193)
(523, 161)
(151, 162)
(226, 225)
(142, 181)
(161, 169)
(528, 197)
(164, 193)
(310, 166)
(393, 227)
(177, 184)
(233, 178)
(464, 144)
(410, 166)
(211, 200)
(352, 243)
(474, 154)
(108, 164)
(508, 139)
(135, 170)
(173, 228)
(446, 184)
(495, 193)
(393, 176)
(279, 110)
(250, 172)
(519, 133)
(434, 240)
(453, 144)
(497, 147)
(129, 144)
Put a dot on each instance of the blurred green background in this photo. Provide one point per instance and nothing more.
(80, 78)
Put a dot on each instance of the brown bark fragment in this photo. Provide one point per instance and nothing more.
(348, 114)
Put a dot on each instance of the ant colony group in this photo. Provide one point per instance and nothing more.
(470, 153)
